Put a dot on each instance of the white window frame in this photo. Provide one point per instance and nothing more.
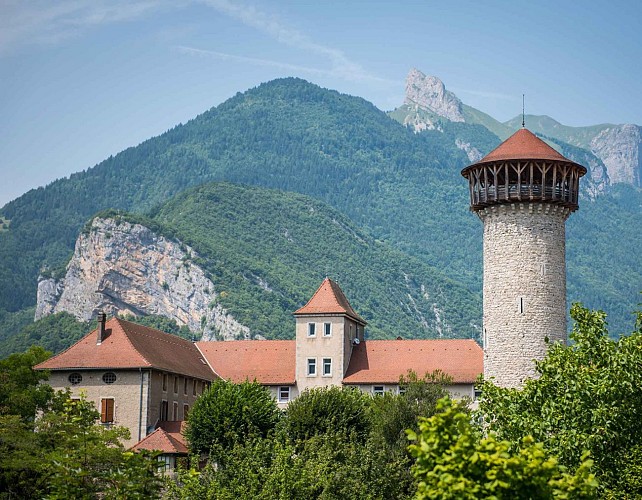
(284, 394)
(327, 362)
(311, 362)
(376, 391)
(312, 329)
(327, 329)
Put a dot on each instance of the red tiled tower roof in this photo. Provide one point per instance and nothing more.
(384, 361)
(129, 345)
(269, 362)
(168, 438)
(523, 145)
(329, 299)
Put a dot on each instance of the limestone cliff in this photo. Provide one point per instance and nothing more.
(124, 268)
(618, 147)
(429, 92)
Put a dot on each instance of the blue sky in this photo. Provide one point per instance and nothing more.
(83, 79)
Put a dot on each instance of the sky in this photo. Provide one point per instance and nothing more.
(81, 80)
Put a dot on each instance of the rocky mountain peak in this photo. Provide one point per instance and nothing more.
(429, 92)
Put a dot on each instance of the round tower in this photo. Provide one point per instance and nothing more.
(523, 192)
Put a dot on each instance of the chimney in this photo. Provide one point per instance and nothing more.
(102, 319)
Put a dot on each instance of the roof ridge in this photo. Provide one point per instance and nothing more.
(209, 365)
(118, 320)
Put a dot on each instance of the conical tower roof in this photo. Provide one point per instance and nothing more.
(523, 145)
(329, 299)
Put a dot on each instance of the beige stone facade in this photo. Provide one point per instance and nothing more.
(138, 396)
(328, 349)
(524, 287)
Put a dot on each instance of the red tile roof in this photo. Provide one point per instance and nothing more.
(384, 361)
(523, 145)
(128, 345)
(269, 362)
(168, 438)
(329, 299)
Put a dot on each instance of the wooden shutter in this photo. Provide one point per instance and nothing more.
(107, 411)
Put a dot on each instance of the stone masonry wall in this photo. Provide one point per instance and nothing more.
(524, 287)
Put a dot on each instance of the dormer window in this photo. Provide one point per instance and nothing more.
(327, 329)
(312, 330)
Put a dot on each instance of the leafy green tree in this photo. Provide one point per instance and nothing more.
(227, 414)
(588, 396)
(21, 392)
(394, 413)
(454, 461)
(329, 410)
(330, 466)
(21, 459)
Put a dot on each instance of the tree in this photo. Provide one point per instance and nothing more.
(329, 410)
(454, 461)
(588, 396)
(229, 413)
(21, 392)
(394, 413)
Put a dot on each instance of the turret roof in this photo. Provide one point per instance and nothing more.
(329, 299)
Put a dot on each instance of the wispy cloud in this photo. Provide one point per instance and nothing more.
(43, 21)
(487, 95)
(340, 65)
(48, 22)
(250, 60)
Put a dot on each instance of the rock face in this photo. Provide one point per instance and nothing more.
(124, 268)
(619, 148)
(430, 93)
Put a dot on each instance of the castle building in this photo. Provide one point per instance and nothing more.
(142, 378)
(523, 192)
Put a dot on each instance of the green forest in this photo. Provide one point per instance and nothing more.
(401, 188)
(267, 251)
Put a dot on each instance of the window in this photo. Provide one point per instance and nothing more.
(520, 305)
(75, 378)
(109, 377)
(284, 394)
(163, 410)
(312, 329)
(185, 411)
(106, 410)
(185, 381)
(478, 393)
(175, 411)
(164, 381)
(194, 387)
(175, 384)
(327, 367)
(312, 367)
(377, 390)
(168, 460)
(401, 390)
(327, 329)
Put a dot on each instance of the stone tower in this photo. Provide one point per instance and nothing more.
(523, 192)
(327, 328)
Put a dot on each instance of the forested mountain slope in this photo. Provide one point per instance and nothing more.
(265, 252)
(287, 134)
(401, 187)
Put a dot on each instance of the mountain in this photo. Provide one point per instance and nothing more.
(617, 146)
(232, 261)
(286, 134)
(400, 187)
